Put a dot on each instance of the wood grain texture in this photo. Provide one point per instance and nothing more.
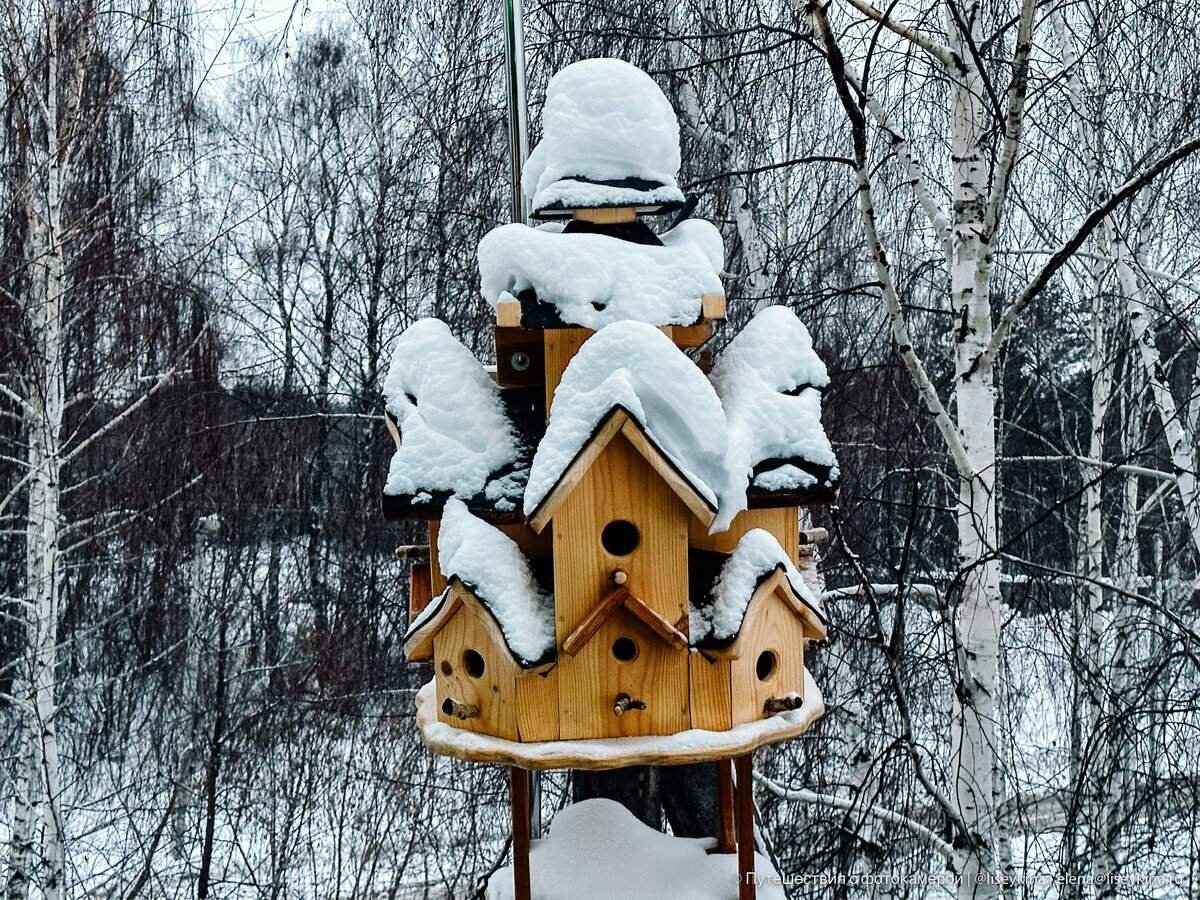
(567, 482)
(559, 346)
(607, 216)
(592, 622)
(519, 804)
(419, 645)
(603, 755)
(420, 589)
(590, 682)
(712, 306)
(621, 484)
(689, 335)
(437, 581)
(726, 825)
(710, 693)
(537, 706)
(508, 314)
(700, 507)
(744, 815)
(771, 626)
(782, 522)
(473, 628)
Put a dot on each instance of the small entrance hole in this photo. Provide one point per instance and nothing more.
(620, 537)
(766, 664)
(447, 669)
(473, 663)
(624, 649)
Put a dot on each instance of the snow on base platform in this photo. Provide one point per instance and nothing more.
(598, 850)
(694, 745)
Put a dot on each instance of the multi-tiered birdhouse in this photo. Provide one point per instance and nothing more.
(614, 523)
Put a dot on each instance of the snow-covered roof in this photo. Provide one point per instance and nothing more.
(456, 435)
(717, 620)
(593, 280)
(609, 138)
(634, 367)
(491, 566)
(769, 380)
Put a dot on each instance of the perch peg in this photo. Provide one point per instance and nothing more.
(458, 709)
(781, 704)
(625, 703)
(620, 576)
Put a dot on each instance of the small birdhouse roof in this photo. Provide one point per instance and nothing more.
(481, 560)
(591, 279)
(679, 426)
(609, 138)
(620, 422)
(456, 433)
(758, 568)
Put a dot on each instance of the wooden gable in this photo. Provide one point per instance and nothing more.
(619, 423)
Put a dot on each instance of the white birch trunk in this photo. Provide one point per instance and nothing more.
(44, 424)
(1179, 442)
(977, 623)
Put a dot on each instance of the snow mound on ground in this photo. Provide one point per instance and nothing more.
(604, 120)
(490, 563)
(598, 850)
(453, 430)
(594, 280)
(769, 380)
(635, 366)
(755, 557)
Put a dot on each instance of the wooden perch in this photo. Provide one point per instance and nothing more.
(814, 536)
(459, 710)
(624, 703)
(781, 704)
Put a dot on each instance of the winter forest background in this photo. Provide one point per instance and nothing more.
(215, 222)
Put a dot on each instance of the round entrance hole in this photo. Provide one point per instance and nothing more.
(620, 537)
(766, 664)
(624, 649)
(473, 663)
(447, 669)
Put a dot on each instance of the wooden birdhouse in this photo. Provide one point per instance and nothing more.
(614, 554)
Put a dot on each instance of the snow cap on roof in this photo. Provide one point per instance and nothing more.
(609, 138)
(454, 433)
(490, 564)
(593, 280)
(769, 380)
(755, 557)
(634, 366)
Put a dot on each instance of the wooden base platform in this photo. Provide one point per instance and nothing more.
(689, 746)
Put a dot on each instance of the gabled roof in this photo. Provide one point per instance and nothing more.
(622, 599)
(619, 422)
(757, 569)
(774, 584)
(418, 640)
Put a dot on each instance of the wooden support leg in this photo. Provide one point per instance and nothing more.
(744, 801)
(518, 791)
(726, 834)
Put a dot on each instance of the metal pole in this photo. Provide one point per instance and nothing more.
(513, 17)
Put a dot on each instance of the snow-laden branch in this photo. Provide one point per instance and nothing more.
(802, 795)
(1094, 463)
(1068, 249)
(927, 591)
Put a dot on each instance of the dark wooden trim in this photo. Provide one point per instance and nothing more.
(518, 793)
(744, 802)
(726, 828)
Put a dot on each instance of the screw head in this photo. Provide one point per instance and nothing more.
(520, 361)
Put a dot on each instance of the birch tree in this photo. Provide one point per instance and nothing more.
(980, 174)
